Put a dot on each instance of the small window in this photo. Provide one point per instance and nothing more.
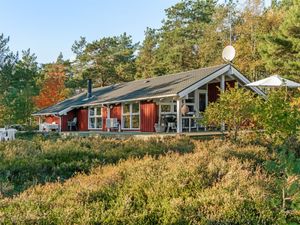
(131, 116)
(135, 121)
(126, 121)
(95, 118)
(98, 111)
(166, 108)
(126, 108)
(135, 108)
(92, 112)
(190, 98)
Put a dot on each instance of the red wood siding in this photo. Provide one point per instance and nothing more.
(230, 84)
(214, 92)
(65, 118)
(115, 112)
(148, 116)
(104, 116)
(82, 118)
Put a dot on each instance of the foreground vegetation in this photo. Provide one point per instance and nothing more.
(24, 163)
(213, 182)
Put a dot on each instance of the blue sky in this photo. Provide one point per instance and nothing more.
(50, 27)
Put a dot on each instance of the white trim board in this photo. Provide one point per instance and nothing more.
(246, 81)
(229, 69)
(204, 81)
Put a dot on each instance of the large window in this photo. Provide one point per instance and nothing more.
(131, 116)
(95, 118)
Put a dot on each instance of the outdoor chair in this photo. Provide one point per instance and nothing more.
(112, 124)
(11, 134)
(72, 123)
(171, 122)
(7, 134)
(2, 136)
(171, 126)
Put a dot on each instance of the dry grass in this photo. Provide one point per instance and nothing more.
(218, 183)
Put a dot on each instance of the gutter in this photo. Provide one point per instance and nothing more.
(68, 109)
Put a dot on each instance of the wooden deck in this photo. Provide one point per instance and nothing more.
(141, 135)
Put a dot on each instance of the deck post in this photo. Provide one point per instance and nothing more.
(108, 117)
(60, 123)
(222, 91)
(40, 123)
(222, 83)
(179, 117)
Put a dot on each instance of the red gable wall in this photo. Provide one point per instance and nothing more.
(214, 92)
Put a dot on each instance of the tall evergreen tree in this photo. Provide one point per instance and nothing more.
(181, 33)
(281, 49)
(192, 36)
(17, 84)
(146, 61)
(106, 61)
(24, 88)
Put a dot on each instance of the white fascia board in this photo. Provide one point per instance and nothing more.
(204, 81)
(65, 111)
(44, 114)
(130, 100)
(112, 102)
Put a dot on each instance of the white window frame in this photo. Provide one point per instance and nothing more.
(206, 97)
(194, 104)
(96, 117)
(131, 114)
(172, 107)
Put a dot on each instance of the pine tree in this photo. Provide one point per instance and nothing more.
(281, 49)
(146, 61)
(181, 34)
(106, 61)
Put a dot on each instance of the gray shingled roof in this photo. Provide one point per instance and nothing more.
(157, 87)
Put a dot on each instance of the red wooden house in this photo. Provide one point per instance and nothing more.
(146, 105)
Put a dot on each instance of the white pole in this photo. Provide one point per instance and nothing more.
(60, 121)
(40, 124)
(222, 83)
(222, 91)
(179, 117)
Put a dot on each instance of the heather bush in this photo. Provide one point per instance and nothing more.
(218, 183)
(24, 163)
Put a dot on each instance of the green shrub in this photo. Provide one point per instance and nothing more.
(278, 117)
(234, 108)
